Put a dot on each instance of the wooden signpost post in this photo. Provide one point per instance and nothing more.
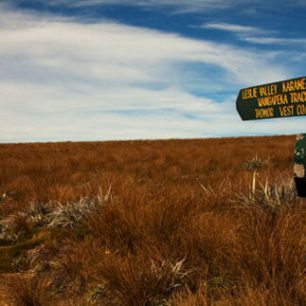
(279, 100)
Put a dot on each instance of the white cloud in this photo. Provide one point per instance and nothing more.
(184, 5)
(179, 5)
(254, 35)
(276, 41)
(109, 51)
(61, 80)
(229, 27)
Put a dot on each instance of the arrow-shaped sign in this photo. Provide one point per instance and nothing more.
(273, 100)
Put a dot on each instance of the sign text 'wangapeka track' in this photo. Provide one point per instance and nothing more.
(274, 100)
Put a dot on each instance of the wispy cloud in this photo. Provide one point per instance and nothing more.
(234, 28)
(254, 35)
(188, 5)
(61, 79)
(191, 5)
(276, 41)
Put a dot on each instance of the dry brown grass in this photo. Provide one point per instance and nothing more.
(157, 222)
(26, 290)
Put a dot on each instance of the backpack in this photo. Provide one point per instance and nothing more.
(299, 153)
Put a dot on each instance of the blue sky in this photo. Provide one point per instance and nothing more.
(119, 69)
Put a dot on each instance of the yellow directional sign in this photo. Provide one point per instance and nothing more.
(274, 100)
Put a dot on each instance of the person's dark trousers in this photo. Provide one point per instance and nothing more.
(300, 183)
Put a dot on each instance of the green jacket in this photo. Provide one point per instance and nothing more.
(300, 151)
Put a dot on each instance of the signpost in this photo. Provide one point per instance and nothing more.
(279, 100)
(273, 100)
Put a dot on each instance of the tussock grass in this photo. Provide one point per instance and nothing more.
(275, 195)
(26, 290)
(183, 223)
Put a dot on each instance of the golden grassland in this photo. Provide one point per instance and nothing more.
(153, 223)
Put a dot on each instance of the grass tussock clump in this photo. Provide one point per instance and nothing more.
(271, 252)
(256, 163)
(147, 281)
(26, 290)
(183, 223)
(276, 195)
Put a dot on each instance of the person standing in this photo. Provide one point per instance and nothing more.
(300, 165)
